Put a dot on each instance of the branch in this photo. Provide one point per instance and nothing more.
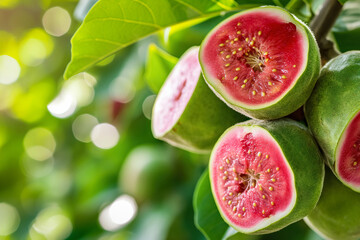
(321, 25)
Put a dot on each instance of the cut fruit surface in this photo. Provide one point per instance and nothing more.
(256, 63)
(254, 180)
(348, 154)
(254, 58)
(176, 92)
(258, 178)
(186, 113)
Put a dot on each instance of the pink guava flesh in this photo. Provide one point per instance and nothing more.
(348, 162)
(256, 56)
(176, 92)
(251, 179)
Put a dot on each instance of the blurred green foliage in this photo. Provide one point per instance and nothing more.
(54, 181)
(57, 174)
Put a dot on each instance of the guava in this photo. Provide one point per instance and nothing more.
(262, 62)
(265, 175)
(186, 113)
(147, 172)
(177, 39)
(336, 215)
(333, 115)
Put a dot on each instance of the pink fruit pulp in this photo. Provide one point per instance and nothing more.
(251, 180)
(176, 92)
(256, 56)
(348, 162)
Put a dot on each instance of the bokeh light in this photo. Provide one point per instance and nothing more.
(148, 105)
(9, 69)
(81, 87)
(39, 144)
(37, 169)
(63, 106)
(9, 219)
(35, 47)
(105, 136)
(8, 3)
(56, 21)
(33, 52)
(118, 214)
(78, 91)
(82, 127)
(122, 90)
(29, 105)
(51, 223)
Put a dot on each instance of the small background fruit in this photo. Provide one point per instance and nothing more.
(147, 172)
(336, 215)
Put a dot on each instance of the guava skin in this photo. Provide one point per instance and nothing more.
(292, 97)
(203, 120)
(334, 103)
(336, 215)
(146, 173)
(305, 162)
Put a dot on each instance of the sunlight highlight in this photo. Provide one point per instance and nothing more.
(105, 136)
(9, 219)
(148, 105)
(51, 223)
(56, 21)
(39, 144)
(9, 69)
(63, 106)
(118, 214)
(82, 127)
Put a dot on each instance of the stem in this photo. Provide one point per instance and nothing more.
(322, 24)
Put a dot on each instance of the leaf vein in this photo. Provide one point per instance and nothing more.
(225, 7)
(190, 6)
(126, 21)
(102, 40)
(148, 8)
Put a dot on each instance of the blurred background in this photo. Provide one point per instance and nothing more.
(77, 157)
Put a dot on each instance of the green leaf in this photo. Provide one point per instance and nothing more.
(207, 216)
(346, 31)
(113, 24)
(158, 66)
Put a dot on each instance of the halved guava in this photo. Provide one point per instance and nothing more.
(336, 216)
(262, 62)
(333, 115)
(186, 112)
(265, 175)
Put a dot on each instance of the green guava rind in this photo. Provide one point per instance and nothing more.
(203, 120)
(336, 215)
(334, 102)
(297, 95)
(305, 160)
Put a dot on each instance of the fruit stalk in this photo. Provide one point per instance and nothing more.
(321, 25)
